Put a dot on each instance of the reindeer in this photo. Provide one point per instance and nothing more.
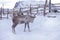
(26, 19)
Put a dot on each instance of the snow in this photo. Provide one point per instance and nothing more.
(43, 28)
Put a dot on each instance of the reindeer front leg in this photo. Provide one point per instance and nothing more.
(28, 27)
(25, 27)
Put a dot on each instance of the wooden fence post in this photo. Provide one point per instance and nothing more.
(7, 13)
(1, 13)
(49, 5)
(45, 8)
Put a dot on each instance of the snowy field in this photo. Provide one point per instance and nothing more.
(43, 28)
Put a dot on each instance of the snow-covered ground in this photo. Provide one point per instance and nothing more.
(43, 28)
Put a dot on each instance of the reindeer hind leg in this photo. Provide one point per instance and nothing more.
(13, 28)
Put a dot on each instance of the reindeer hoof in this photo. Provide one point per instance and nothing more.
(13, 32)
(29, 31)
(24, 31)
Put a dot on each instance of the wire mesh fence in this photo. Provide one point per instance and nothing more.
(35, 7)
